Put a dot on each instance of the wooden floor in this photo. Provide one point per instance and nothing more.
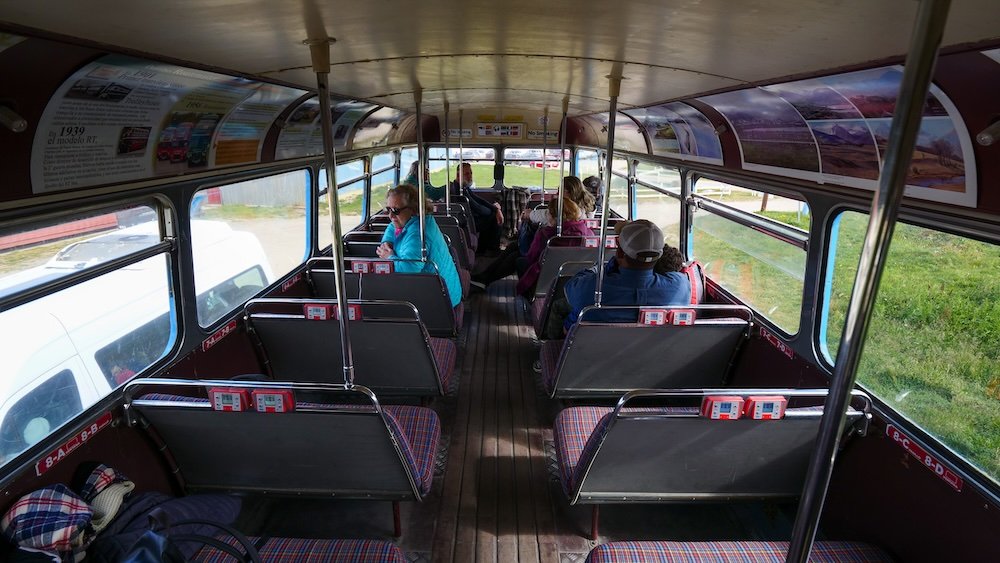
(496, 495)
(496, 503)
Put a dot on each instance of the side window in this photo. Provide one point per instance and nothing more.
(619, 187)
(932, 351)
(381, 183)
(747, 242)
(37, 414)
(258, 223)
(656, 199)
(350, 197)
(587, 164)
(66, 349)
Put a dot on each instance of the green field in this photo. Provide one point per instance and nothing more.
(933, 346)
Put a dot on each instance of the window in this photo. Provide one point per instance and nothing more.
(659, 176)
(587, 163)
(744, 246)
(381, 183)
(619, 187)
(482, 160)
(65, 350)
(933, 346)
(350, 199)
(43, 252)
(662, 209)
(523, 167)
(256, 223)
(38, 413)
(382, 161)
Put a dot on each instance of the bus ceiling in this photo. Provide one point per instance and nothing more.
(804, 76)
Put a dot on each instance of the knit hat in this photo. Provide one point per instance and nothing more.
(105, 490)
(641, 240)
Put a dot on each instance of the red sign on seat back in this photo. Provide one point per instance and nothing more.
(327, 311)
(229, 399)
(771, 407)
(654, 316)
(273, 400)
(371, 266)
(722, 407)
(610, 242)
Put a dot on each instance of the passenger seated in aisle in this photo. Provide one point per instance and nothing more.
(432, 193)
(401, 241)
(595, 186)
(487, 215)
(527, 267)
(573, 226)
(532, 219)
(629, 279)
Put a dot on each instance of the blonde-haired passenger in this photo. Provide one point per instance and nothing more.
(573, 225)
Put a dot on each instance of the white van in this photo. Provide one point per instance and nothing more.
(65, 351)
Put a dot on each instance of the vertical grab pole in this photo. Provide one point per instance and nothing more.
(545, 155)
(917, 74)
(319, 49)
(562, 165)
(417, 98)
(614, 87)
(447, 161)
(461, 153)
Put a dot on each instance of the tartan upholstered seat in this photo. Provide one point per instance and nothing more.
(730, 552)
(277, 550)
(577, 434)
(445, 352)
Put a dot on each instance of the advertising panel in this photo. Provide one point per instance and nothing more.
(836, 129)
(121, 119)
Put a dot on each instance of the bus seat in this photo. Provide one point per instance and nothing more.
(366, 450)
(320, 276)
(425, 291)
(558, 251)
(731, 552)
(276, 550)
(294, 348)
(542, 308)
(604, 453)
(604, 360)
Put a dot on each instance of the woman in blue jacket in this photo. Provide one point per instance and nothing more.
(401, 241)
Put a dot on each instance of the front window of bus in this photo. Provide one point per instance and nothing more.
(752, 243)
(66, 346)
(932, 351)
(244, 236)
(525, 167)
(482, 160)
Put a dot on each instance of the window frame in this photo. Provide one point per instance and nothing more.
(971, 475)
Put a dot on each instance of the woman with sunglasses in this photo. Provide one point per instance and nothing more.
(401, 241)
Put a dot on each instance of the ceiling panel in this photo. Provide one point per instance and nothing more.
(516, 51)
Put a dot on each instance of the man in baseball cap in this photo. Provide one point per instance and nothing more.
(629, 278)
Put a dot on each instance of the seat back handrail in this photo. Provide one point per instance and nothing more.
(758, 475)
(291, 346)
(649, 356)
(224, 438)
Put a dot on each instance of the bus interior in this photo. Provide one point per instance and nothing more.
(193, 289)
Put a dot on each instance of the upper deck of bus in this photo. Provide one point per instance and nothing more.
(163, 107)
